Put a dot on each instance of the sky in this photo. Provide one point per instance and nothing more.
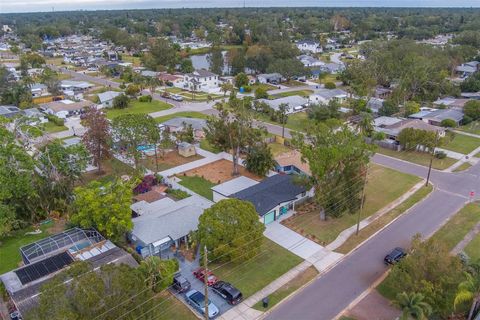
(62, 5)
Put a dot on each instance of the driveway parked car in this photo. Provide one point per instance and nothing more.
(181, 284)
(176, 97)
(394, 256)
(197, 300)
(200, 275)
(228, 292)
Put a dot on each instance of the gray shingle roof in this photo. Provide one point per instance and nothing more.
(271, 192)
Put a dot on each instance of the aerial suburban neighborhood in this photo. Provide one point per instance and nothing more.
(239, 163)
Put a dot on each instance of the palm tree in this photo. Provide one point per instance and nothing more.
(365, 125)
(413, 306)
(283, 116)
(225, 87)
(469, 290)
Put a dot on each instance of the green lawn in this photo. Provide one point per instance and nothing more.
(51, 127)
(302, 93)
(9, 246)
(198, 185)
(185, 114)
(265, 86)
(188, 95)
(111, 169)
(251, 276)
(293, 83)
(135, 60)
(379, 223)
(139, 107)
(298, 121)
(205, 145)
(292, 286)
(463, 144)
(472, 127)
(380, 192)
(278, 148)
(172, 309)
(459, 225)
(472, 249)
(420, 158)
(463, 166)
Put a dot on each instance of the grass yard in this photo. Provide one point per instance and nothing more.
(420, 158)
(459, 225)
(205, 145)
(278, 148)
(51, 127)
(134, 60)
(292, 286)
(63, 76)
(298, 121)
(380, 192)
(185, 114)
(111, 169)
(170, 308)
(188, 95)
(302, 93)
(472, 249)
(463, 166)
(169, 160)
(293, 83)
(328, 77)
(463, 144)
(265, 86)
(253, 275)
(139, 107)
(9, 246)
(379, 223)
(198, 185)
(472, 127)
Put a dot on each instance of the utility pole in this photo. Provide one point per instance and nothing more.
(431, 159)
(362, 201)
(205, 279)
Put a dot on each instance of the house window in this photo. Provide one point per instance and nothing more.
(287, 168)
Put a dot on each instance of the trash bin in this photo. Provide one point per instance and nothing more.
(265, 302)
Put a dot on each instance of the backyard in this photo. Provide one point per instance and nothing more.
(472, 127)
(111, 169)
(421, 158)
(463, 144)
(253, 275)
(302, 93)
(298, 121)
(220, 171)
(169, 160)
(198, 185)
(380, 191)
(51, 127)
(139, 107)
(278, 148)
(185, 114)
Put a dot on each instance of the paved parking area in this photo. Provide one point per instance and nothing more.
(186, 269)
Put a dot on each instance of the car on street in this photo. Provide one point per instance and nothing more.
(180, 283)
(176, 97)
(197, 300)
(394, 256)
(200, 275)
(228, 292)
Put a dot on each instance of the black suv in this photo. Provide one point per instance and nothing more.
(228, 292)
(180, 283)
(394, 256)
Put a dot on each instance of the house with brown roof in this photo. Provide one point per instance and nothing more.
(291, 163)
(393, 128)
(66, 108)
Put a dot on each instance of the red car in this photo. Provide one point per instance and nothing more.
(200, 275)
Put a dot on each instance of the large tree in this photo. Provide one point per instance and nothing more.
(233, 129)
(469, 290)
(338, 158)
(97, 136)
(259, 159)
(158, 272)
(133, 130)
(231, 230)
(104, 206)
(215, 60)
(413, 306)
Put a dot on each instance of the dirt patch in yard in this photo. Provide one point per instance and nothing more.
(374, 307)
(219, 172)
(169, 160)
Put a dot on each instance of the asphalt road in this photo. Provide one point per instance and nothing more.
(329, 295)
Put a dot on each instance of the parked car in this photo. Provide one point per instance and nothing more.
(197, 300)
(176, 97)
(165, 94)
(228, 292)
(200, 275)
(180, 283)
(394, 256)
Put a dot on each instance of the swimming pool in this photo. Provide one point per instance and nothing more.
(146, 148)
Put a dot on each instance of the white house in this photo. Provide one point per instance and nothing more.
(106, 98)
(273, 78)
(38, 90)
(327, 95)
(294, 103)
(200, 80)
(309, 46)
(309, 61)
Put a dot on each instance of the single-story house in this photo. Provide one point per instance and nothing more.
(295, 103)
(393, 126)
(471, 95)
(382, 92)
(9, 111)
(164, 223)
(468, 68)
(450, 102)
(436, 117)
(224, 190)
(375, 104)
(309, 46)
(75, 86)
(291, 163)
(175, 79)
(326, 95)
(38, 90)
(272, 78)
(106, 98)
(66, 108)
(149, 73)
(179, 123)
(332, 67)
(274, 196)
(49, 256)
(309, 61)
(35, 115)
